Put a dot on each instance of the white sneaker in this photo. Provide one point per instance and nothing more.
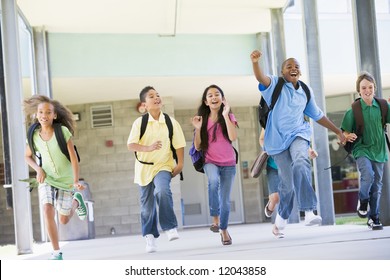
(172, 234)
(150, 243)
(311, 219)
(277, 233)
(57, 257)
(280, 223)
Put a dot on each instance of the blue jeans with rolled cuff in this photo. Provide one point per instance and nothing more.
(157, 194)
(220, 182)
(371, 173)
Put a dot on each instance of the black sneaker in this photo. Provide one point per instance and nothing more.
(362, 208)
(374, 224)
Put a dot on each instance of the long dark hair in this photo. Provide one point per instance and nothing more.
(204, 112)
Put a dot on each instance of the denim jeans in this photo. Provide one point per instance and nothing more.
(371, 173)
(220, 182)
(157, 194)
(294, 169)
(272, 180)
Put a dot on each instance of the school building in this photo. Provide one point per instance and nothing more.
(96, 56)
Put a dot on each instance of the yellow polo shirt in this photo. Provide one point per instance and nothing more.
(163, 158)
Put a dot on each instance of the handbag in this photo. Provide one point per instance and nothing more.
(259, 164)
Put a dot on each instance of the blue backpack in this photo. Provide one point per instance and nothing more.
(197, 158)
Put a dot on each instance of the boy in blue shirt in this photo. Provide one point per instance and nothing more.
(287, 140)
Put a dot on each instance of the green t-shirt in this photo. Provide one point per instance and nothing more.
(372, 144)
(58, 169)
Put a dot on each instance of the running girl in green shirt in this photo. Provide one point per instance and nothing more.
(57, 176)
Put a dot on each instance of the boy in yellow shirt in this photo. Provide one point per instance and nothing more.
(155, 167)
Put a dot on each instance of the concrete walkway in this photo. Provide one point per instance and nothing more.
(250, 242)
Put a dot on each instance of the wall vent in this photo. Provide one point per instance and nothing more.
(101, 116)
(192, 209)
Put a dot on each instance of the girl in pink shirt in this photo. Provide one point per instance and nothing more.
(215, 129)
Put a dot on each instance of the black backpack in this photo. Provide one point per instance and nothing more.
(59, 136)
(358, 115)
(264, 109)
(168, 122)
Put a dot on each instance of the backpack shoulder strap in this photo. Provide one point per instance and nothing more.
(30, 134)
(306, 90)
(61, 139)
(168, 121)
(144, 123)
(358, 115)
(276, 92)
(62, 142)
(383, 105)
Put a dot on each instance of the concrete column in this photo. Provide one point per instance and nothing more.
(264, 45)
(263, 40)
(322, 177)
(17, 132)
(43, 87)
(278, 40)
(367, 56)
(42, 62)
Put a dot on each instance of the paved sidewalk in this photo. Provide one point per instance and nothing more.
(250, 242)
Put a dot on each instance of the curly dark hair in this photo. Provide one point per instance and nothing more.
(64, 115)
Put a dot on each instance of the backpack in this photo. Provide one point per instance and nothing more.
(59, 136)
(264, 109)
(358, 115)
(197, 157)
(168, 122)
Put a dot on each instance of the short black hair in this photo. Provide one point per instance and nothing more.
(144, 91)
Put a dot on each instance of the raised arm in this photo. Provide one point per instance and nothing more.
(260, 76)
(231, 127)
(197, 123)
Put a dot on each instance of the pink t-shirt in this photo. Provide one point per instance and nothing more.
(220, 152)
